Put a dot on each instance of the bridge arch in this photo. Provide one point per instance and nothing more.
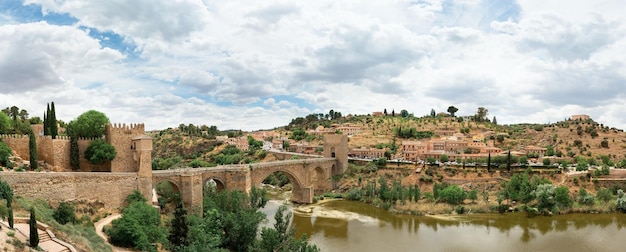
(220, 184)
(293, 178)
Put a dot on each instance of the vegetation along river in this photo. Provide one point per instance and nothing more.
(339, 225)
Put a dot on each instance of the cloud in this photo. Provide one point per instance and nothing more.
(39, 55)
(138, 19)
(241, 64)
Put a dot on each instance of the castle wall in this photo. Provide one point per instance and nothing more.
(18, 143)
(109, 188)
(120, 136)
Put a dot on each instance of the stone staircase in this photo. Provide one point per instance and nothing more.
(43, 236)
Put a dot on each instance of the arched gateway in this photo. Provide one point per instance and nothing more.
(306, 175)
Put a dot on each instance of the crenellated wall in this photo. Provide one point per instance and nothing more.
(56, 152)
(121, 137)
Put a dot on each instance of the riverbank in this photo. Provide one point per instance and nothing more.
(480, 191)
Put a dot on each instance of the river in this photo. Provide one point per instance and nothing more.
(353, 226)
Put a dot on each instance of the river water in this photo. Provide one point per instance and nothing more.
(354, 226)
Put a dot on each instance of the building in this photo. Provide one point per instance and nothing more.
(413, 150)
(580, 117)
(367, 153)
(535, 150)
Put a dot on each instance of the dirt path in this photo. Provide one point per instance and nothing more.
(106, 221)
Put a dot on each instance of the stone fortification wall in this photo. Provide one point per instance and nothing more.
(108, 188)
(54, 152)
(120, 136)
(18, 143)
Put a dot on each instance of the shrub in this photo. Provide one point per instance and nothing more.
(604, 195)
(620, 203)
(452, 195)
(64, 213)
(99, 152)
(585, 198)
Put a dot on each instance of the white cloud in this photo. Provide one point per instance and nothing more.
(232, 63)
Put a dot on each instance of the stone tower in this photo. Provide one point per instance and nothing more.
(122, 137)
(336, 146)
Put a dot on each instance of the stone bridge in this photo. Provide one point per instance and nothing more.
(307, 176)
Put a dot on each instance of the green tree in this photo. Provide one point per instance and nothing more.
(65, 213)
(32, 149)
(74, 153)
(452, 110)
(7, 193)
(481, 114)
(238, 216)
(281, 238)
(546, 161)
(99, 152)
(545, 197)
(32, 224)
(604, 194)
(452, 194)
(473, 195)
(52, 122)
(620, 202)
(432, 113)
(585, 198)
(179, 226)
(90, 124)
(562, 197)
(139, 227)
(494, 121)
(5, 153)
(5, 124)
(404, 113)
(444, 158)
(550, 151)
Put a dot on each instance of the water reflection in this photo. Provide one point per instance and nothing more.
(353, 226)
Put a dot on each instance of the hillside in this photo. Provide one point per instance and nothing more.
(568, 139)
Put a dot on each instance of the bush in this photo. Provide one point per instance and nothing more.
(620, 203)
(139, 227)
(604, 195)
(452, 195)
(585, 198)
(99, 152)
(355, 194)
(64, 213)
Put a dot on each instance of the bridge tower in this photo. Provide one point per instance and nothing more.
(141, 147)
(336, 146)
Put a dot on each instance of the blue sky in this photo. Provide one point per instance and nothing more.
(256, 65)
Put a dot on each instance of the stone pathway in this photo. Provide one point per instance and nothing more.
(47, 240)
(106, 221)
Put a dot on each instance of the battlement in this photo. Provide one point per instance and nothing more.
(13, 136)
(133, 128)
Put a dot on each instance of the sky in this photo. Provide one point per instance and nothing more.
(258, 64)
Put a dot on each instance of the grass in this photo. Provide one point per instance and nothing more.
(82, 236)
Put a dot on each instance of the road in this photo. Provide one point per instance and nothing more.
(106, 221)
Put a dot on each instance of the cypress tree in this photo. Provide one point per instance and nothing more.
(508, 161)
(489, 162)
(45, 124)
(10, 217)
(74, 153)
(34, 236)
(54, 129)
(179, 226)
(32, 148)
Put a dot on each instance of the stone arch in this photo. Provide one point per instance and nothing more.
(296, 183)
(164, 194)
(220, 183)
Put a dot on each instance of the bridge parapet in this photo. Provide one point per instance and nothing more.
(306, 175)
